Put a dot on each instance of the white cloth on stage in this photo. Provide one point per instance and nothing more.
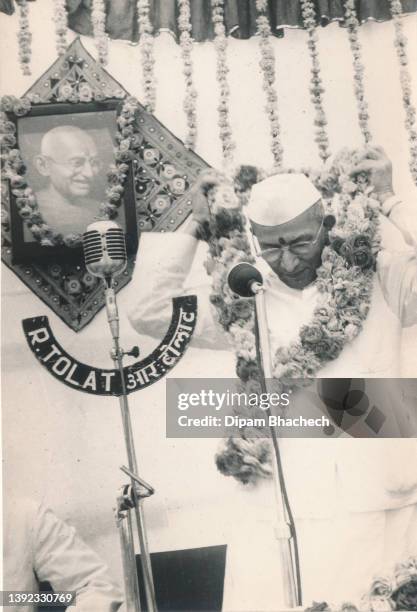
(339, 555)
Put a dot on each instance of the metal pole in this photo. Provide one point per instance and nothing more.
(132, 463)
(283, 530)
(130, 574)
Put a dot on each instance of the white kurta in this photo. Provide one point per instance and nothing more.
(330, 481)
(39, 547)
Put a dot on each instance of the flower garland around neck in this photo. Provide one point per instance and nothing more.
(352, 23)
(98, 17)
(344, 282)
(267, 65)
(220, 44)
(61, 24)
(405, 79)
(316, 84)
(186, 44)
(24, 37)
(14, 169)
(146, 46)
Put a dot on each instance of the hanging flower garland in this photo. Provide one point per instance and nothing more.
(186, 44)
(405, 78)
(14, 169)
(61, 23)
(24, 37)
(267, 64)
(316, 83)
(98, 16)
(220, 43)
(352, 23)
(344, 282)
(146, 44)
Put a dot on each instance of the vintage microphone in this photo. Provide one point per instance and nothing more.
(105, 257)
(246, 280)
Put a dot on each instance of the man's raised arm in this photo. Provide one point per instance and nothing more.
(397, 271)
(163, 264)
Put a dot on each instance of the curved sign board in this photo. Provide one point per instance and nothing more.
(141, 374)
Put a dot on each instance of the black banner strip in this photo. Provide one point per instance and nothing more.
(98, 381)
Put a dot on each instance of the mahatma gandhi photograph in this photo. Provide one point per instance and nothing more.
(67, 158)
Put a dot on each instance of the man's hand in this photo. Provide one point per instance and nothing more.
(198, 194)
(379, 167)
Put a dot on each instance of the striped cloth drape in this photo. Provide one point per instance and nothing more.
(240, 15)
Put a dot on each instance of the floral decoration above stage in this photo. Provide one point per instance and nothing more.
(217, 20)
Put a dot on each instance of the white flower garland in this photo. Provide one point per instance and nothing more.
(98, 16)
(344, 283)
(405, 78)
(186, 44)
(220, 43)
(146, 42)
(267, 64)
(316, 86)
(358, 68)
(344, 280)
(24, 37)
(61, 24)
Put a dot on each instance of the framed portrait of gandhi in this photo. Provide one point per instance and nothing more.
(67, 150)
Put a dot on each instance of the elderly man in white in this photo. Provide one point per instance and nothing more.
(354, 500)
(70, 165)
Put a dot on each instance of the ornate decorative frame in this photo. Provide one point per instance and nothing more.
(163, 172)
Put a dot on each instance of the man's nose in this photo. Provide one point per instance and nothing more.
(88, 170)
(289, 261)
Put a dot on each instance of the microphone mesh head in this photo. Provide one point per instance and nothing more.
(92, 246)
(116, 245)
(104, 249)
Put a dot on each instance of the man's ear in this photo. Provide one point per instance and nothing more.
(42, 165)
(329, 222)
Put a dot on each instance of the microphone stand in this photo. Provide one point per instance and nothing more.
(285, 531)
(133, 495)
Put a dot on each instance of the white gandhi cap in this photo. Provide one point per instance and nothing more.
(280, 198)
